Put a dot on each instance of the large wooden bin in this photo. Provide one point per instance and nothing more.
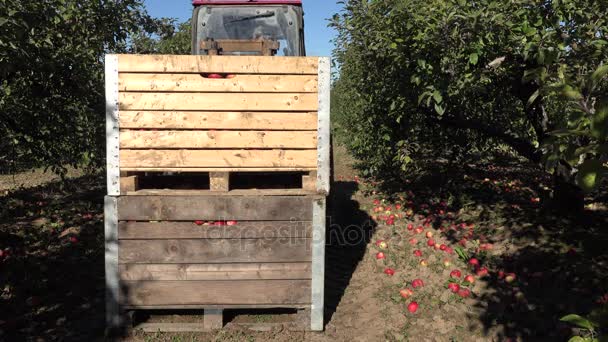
(267, 114)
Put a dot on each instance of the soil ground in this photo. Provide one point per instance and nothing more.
(52, 277)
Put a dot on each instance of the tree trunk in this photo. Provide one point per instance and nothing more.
(567, 196)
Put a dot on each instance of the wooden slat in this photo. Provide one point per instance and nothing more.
(236, 192)
(214, 251)
(217, 292)
(218, 139)
(219, 101)
(217, 169)
(126, 306)
(198, 83)
(218, 158)
(218, 64)
(219, 120)
(268, 271)
(190, 230)
(190, 208)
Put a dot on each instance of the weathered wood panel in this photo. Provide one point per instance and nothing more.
(198, 83)
(267, 271)
(219, 120)
(235, 192)
(218, 139)
(190, 208)
(217, 169)
(214, 251)
(219, 101)
(214, 64)
(218, 158)
(217, 292)
(190, 230)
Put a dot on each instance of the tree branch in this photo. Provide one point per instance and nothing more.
(523, 147)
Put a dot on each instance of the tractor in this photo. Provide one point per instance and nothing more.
(248, 27)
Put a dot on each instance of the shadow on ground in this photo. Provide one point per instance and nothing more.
(51, 268)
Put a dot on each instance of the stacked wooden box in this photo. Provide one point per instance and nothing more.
(216, 249)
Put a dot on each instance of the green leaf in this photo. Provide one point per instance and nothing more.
(599, 74)
(589, 174)
(578, 321)
(599, 123)
(473, 58)
(439, 109)
(437, 96)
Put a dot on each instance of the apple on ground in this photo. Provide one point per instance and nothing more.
(405, 293)
(410, 227)
(429, 235)
(510, 277)
(416, 283)
(454, 287)
(474, 262)
(412, 307)
(419, 230)
(380, 256)
(482, 272)
(413, 241)
(418, 253)
(389, 271)
(447, 263)
(464, 293)
(455, 274)
(199, 222)
(431, 243)
(443, 247)
(423, 263)
(469, 279)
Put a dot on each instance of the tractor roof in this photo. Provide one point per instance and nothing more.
(247, 2)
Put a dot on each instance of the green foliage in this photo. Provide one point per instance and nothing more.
(51, 76)
(591, 327)
(169, 38)
(428, 79)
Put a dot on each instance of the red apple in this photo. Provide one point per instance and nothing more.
(455, 274)
(429, 235)
(510, 277)
(389, 271)
(73, 239)
(454, 287)
(413, 241)
(381, 243)
(431, 243)
(418, 253)
(410, 227)
(412, 307)
(443, 247)
(397, 206)
(419, 230)
(380, 256)
(449, 250)
(482, 272)
(199, 222)
(469, 279)
(416, 283)
(231, 223)
(405, 293)
(474, 262)
(464, 293)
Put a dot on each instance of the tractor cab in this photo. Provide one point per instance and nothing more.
(248, 27)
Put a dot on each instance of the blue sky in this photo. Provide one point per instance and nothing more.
(316, 13)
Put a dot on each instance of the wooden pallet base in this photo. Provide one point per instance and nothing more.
(133, 182)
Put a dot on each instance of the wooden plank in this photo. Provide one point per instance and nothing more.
(214, 251)
(309, 181)
(318, 265)
(198, 83)
(128, 183)
(218, 158)
(267, 271)
(190, 230)
(218, 169)
(112, 126)
(218, 64)
(213, 319)
(276, 292)
(219, 101)
(219, 120)
(237, 192)
(324, 127)
(126, 306)
(190, 208)
(218, 139)
(171, 327)
(113, 315)
(219, 181)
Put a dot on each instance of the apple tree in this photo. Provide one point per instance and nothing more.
(428, 79)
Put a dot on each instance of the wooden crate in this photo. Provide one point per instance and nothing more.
(164, 114)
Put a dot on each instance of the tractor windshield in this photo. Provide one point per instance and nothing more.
(278, 23)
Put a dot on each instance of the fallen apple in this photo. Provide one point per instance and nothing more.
(464, 293)
(389, 271)
(447, 263)
(410, 227)
(510, 277)
(454, 287)
(380, 256)
(199, 222)
(482, 272)
(413, 241)
(418, 253)
(431, 243)
(416, 283)
(455, 274)
(412, 307)
(474, 262)
(231, 223)
(405, 293)
(443, 247)
(469, 279)
(429, 235)
(423, 263)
